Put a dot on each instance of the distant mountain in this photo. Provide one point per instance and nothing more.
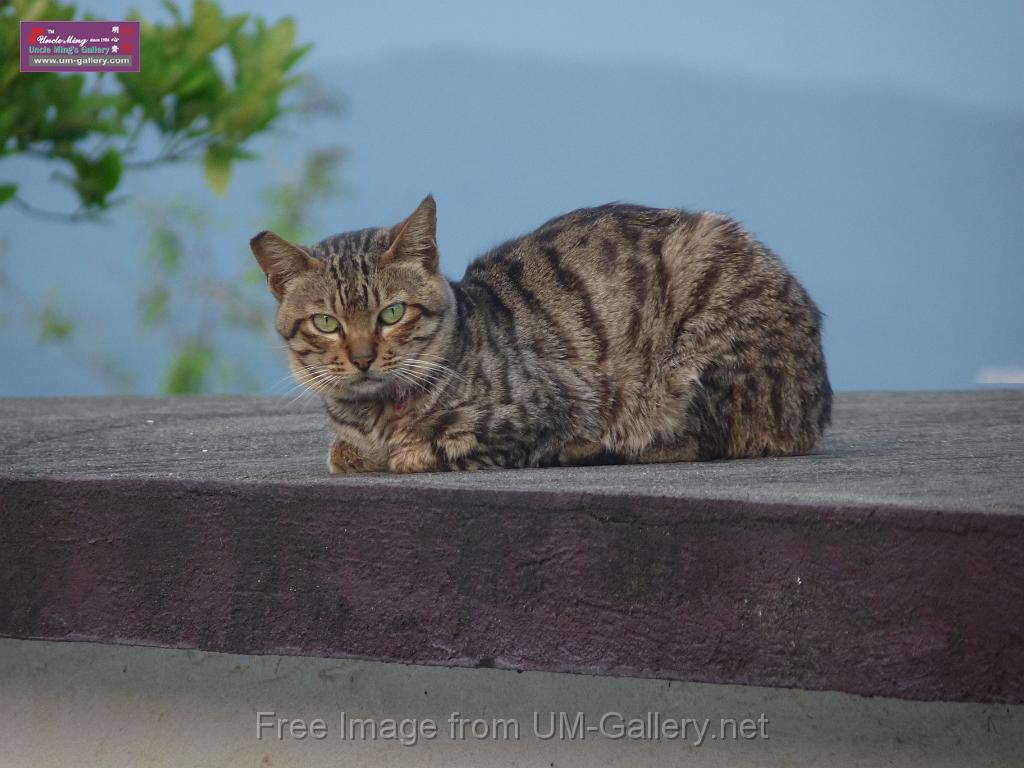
(902, 215)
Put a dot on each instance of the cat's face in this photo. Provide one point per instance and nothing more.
(360, 312)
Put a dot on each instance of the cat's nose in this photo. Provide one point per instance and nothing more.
(362, 360)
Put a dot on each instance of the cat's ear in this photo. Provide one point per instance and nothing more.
(280, 260)
(416, 237)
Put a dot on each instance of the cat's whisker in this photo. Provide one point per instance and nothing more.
(288, 385)
(427, 357)
(409, 372)
(283, 380)
(408, 367)
(313, 381)
(435, 366)
(302, 392)
(307, 378)
(428, 360)
(298, 397)
(319, 378)
(315, 386)
(420, 381)
(404, 377)
(297, 390)
(430, 365)
(425, 377)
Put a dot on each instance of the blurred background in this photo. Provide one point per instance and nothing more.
(877, 147)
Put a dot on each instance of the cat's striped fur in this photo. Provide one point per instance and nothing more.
(618, 333)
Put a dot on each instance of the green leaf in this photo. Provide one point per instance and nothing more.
(56, 326)
(96, 179)
(280, 39)
(153, 305)
(217, 164)
(173, 9)
(165, 248)
(7, 191)
(188, 370)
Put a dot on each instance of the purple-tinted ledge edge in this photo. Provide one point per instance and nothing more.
(904, 602)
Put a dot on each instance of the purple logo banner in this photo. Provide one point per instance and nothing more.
(80, 46)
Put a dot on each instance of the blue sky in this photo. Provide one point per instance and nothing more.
(971, 53)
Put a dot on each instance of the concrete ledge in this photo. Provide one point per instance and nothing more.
(891, 563)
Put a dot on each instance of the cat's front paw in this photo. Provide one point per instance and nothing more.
(344, 458)
(414, 457)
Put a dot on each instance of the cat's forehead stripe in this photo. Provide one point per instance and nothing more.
(351, 259)
(345, 245)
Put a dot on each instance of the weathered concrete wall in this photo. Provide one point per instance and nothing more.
(875, 601)
(210, 524)
(73, 704)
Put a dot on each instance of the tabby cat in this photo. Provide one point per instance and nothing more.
(611, 334)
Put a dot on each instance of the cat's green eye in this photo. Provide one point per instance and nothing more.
(391, 315)
(325, 323)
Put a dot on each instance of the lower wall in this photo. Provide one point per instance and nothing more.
(99, 705)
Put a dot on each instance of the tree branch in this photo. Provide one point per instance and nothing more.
(82, 214)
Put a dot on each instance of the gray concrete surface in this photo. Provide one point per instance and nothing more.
(76, 704)
(890, 562)
(937, 450)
